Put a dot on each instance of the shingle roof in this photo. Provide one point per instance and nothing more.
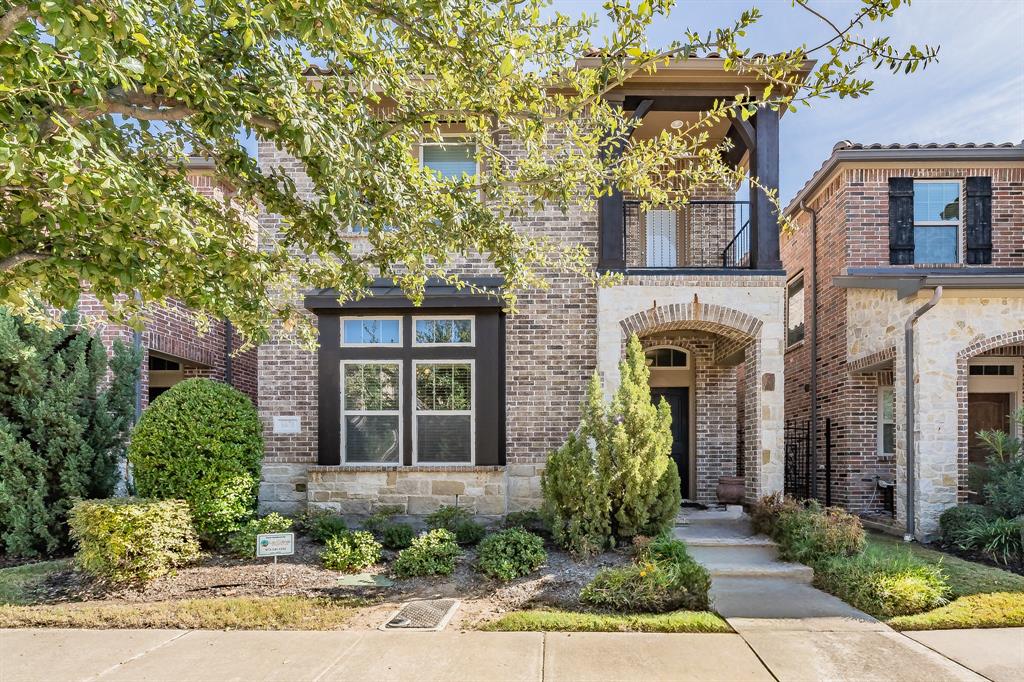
(845, 150)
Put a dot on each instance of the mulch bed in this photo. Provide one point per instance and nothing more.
(557, 584)
(976, 556)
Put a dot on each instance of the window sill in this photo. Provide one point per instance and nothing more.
(799, 344)
(451, 468)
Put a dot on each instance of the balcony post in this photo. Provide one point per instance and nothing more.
(764, 165)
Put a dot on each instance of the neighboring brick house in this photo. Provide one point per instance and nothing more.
(494, 393)
(894, 224)
(173, 349)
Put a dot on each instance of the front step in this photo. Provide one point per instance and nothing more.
(781, 570)
(734, 554)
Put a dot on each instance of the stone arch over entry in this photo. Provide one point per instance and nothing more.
(736, 329)
(964, 356)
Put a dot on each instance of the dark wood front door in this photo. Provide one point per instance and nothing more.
(985, 411)
(678, 400)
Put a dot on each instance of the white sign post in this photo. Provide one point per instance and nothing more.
(275, 545)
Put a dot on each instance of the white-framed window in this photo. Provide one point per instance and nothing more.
(371, 331)
(444, 429)
(371, 411)
(795, 310)
(451, 158)
(443, 331)
(937, 225)
(886, 420)
(667, 358)
(661, 238)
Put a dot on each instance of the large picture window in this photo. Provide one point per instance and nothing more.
(936, 221)
(443, 423)
(371, 412)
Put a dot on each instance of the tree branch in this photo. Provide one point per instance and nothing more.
(10, 21)
(16, 259)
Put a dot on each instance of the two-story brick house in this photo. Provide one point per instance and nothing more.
(896, 245)
(173, 349)
(455, 400)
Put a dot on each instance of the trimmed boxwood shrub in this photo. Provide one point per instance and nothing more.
(350, 551)
(321, 525)
(201, 441)
(510, 554)
(460, 522)
(955, 522)
(397, 535)
(132, 540)
(432, 553)
(243, 541)
(663, 578)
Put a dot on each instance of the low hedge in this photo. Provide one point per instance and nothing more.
(662, 578)
(350, 551)
(882, 583)
(132, 540)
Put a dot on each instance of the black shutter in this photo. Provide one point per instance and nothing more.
(901, 221)
(979, 220)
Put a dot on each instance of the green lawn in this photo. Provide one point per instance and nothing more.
(16, 583)
(965, 577)
(574, 621)
(996, 610)
(222, 613)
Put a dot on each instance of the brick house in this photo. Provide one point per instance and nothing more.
(899, 228)
(457, 401)
(173, 349)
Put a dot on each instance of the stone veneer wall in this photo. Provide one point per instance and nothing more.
(964, 324)
(550, 354)
(732, 307)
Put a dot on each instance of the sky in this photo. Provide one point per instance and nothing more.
(974, 93)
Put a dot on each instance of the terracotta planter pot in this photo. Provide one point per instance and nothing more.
(730, 489)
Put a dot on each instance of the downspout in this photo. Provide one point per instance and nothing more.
(908, 349)
(814, 348)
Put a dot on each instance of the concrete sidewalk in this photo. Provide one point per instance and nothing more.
(214, 656)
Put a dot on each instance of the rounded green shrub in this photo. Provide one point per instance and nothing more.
(397, 535)
(955, 522)
(132, 540)
(322, 525)
(243, 541)
(510, 554)
(531, 520)
(432, 553)
(350, 551)
(201, 442)
(459, 521)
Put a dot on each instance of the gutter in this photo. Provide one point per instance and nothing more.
(908, 339)
(814, 358)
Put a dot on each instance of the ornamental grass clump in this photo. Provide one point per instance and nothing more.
(130, 540)
(432, 553)
(614, 479)
(510, 554)
(350, 551)
(201, 442)
(807, 532)
(662, 578)
(243, 541)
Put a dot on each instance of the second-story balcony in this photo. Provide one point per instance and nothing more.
(711, 234)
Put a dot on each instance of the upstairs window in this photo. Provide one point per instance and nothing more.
(795, 311)
(451, 159)
(367, 331)
(443, 331)
(936, 221)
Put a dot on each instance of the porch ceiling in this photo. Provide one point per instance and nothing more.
(729, 344)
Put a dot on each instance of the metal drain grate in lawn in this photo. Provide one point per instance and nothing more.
(426, 614)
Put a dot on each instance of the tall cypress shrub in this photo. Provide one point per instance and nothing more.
(615, 478)
(63, 427)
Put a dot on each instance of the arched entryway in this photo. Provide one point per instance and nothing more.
(672, 380)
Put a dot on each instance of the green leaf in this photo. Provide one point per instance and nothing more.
(132, 64)
(140, 38)
(28, 214)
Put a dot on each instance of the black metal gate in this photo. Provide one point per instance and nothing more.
(798, 459)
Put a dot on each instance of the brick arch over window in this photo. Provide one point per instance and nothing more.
(974, 349)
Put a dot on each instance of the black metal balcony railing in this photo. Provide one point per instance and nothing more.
(702, 234)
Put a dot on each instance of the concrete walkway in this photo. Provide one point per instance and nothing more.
(213, 656)
(796, 630)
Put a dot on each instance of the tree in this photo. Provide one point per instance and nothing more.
(100, 101)
(63, 427)
(614, 478)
